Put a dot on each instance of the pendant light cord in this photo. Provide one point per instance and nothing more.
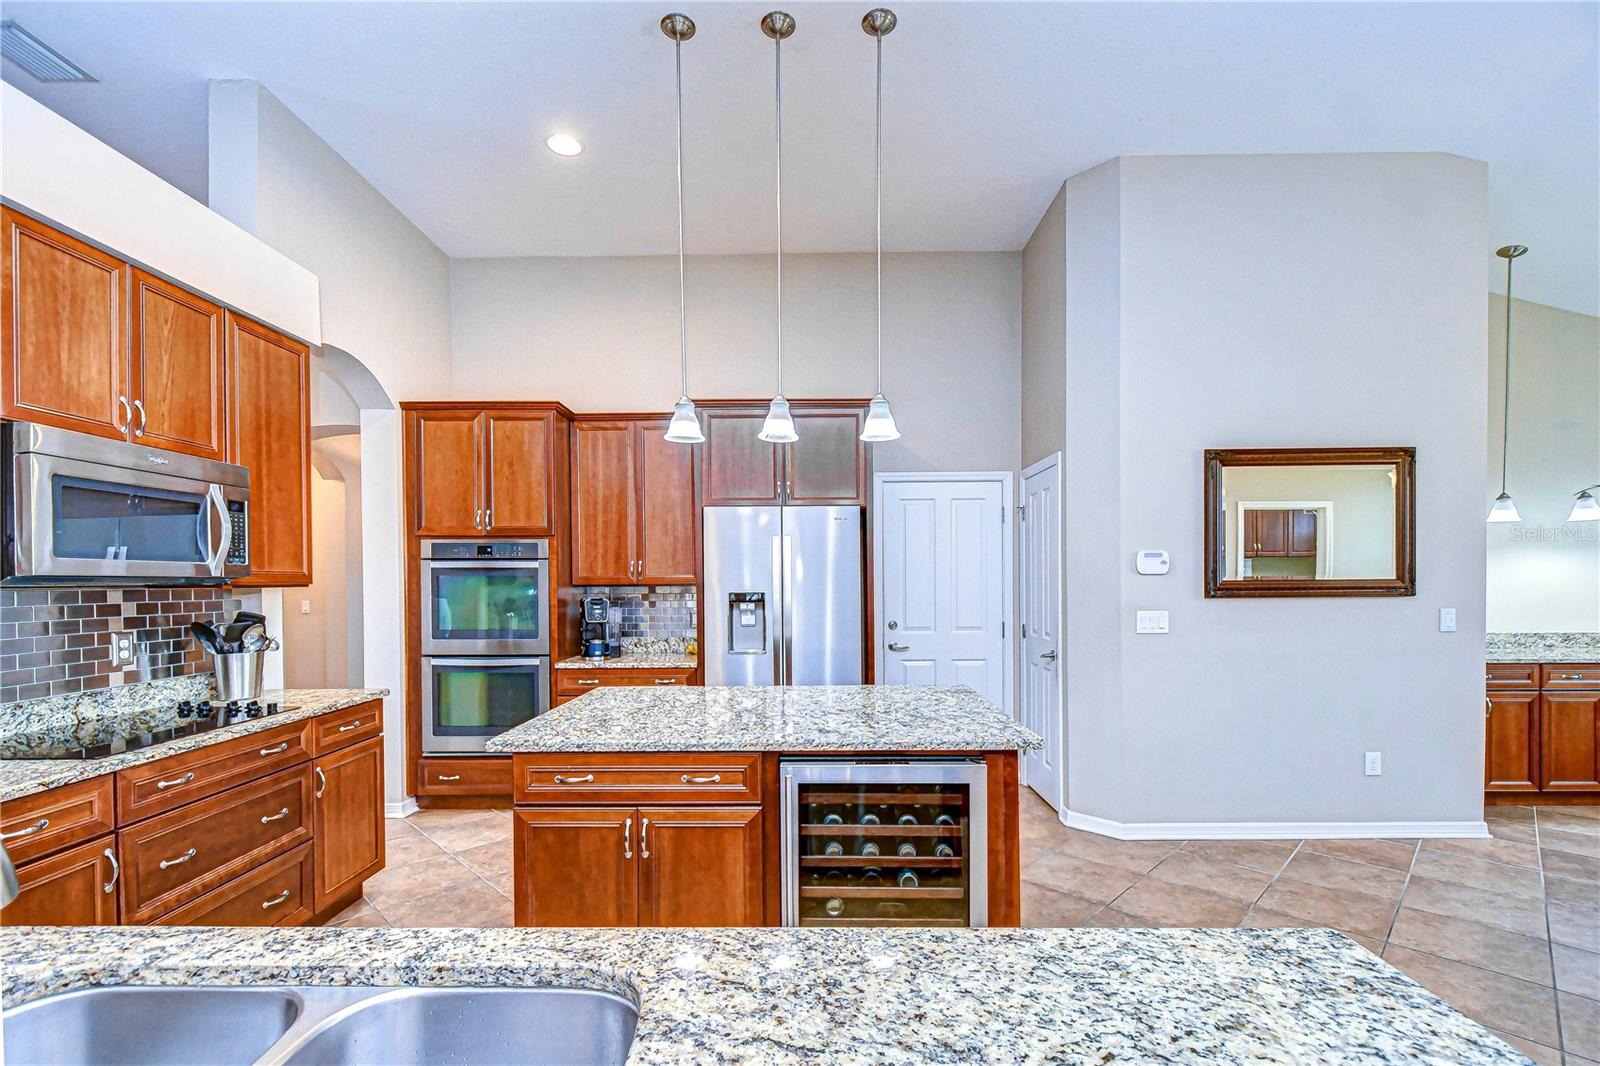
(1505, 422)
(878, 194)
(683, 327)
(777, 44)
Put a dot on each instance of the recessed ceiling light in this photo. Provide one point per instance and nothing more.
(563, 144)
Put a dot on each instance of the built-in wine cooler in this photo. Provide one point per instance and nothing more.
(902, 842)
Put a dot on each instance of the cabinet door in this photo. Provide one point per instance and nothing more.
(1303, 533)
(1570, 722)
(700, 866)
(349, 833)
(666, 508)
(517, 499)
(738, 467)
(63, 355)
(604, 518)
(828, 464)
(449, 484)
(1272, 533)
(177, 369)
(74, 887)
(1511, 742)
(575, 866)
(269, 420)
(1252, 533)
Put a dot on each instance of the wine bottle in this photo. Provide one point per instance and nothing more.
(908, 819)
(870, 848)
(944, 851)
(833, 848)
(944, 819)
(907, 879)
(834, 907)
(906, 848)
(870, 819)
(872, 876)
(833, 819)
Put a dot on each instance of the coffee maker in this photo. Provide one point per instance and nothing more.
(600, 634)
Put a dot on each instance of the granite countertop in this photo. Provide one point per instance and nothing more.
(773, 718)
(23, 777)
(1543, 647)
(632, 660)
(850, 996)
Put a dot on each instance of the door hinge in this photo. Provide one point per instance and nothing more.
(1024, 631)
(1002, 516)
(1002, 631)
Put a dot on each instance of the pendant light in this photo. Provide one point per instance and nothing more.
(879, 23)
(685, 425)
(1585, 508)
(779, 426)
(1504, 510)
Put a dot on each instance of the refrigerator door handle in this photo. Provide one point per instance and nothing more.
(777, 612)
(788, 609)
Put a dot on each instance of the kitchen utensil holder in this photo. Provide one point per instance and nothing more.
(238, 674)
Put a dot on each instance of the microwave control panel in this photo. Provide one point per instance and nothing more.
(239, 546)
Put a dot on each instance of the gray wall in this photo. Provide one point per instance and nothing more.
(602, 335)
(1044, 334)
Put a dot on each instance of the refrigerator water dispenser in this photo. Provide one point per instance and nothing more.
(747, 623)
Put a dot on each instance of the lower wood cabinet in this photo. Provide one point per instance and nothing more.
(74, 887)
(623, 866)
(1570, 752)
(278, 892)
(465, 775)
(1542, 730)
(1511, 746)
(348, 833)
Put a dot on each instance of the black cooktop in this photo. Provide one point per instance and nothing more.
(190, 718)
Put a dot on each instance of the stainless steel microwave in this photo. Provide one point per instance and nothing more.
(89, 510)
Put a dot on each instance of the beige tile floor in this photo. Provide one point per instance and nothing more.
(1507, 930)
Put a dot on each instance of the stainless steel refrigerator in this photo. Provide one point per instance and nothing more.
(784, 593)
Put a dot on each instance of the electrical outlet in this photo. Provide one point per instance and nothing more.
(1447, 619)
(1150, 622)
(1374, 764)
(122, 649)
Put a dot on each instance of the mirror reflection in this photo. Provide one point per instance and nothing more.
(1313, 522)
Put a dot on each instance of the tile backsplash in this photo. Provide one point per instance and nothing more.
(57, 641)
(651, 611)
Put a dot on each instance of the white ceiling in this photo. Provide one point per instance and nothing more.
(444, 108)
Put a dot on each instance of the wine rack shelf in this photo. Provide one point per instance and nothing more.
(880, 830)
(880, 861)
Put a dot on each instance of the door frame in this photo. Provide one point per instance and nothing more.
(1054, 460)
(1008, 573)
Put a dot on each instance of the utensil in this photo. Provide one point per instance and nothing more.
(206, 634)
(255, 638)
(233, 636)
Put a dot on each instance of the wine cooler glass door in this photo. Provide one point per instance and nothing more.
(890, 843)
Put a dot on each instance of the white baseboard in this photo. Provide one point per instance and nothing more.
(401, 809)
(1270, 830)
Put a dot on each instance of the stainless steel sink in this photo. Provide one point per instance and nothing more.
(317, 1025)
(150, 1026)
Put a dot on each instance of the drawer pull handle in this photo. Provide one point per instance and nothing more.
(274, 751)
(709, 779)
(116, 871)
(1488, 677)
(449, 777)
(180, 860)
(587, 681)
(584, 780)
(1570, 677)
(275, 900)
(666, 681)
(42, 823)
(265, 818)
(176, 781)
(352, 725)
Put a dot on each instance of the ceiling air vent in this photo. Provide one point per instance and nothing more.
(36, 57)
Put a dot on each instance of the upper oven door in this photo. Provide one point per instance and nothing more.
(94, 522)
(485, 607)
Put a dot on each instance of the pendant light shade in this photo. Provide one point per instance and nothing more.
(1586, 508)
(1504, 510)
(779, 426)
(879, 427)
(685, 425)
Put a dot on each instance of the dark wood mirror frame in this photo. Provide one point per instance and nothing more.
(1404, 583)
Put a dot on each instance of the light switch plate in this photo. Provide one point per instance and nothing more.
(305, 606)
(1447, 619)
(1374, 764)
(1150, 622)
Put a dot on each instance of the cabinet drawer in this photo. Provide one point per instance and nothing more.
(484, 775)
(46, 822)
(278, 892)
(172, 782)
(699, 777)
(577, 682)
(1571, 677)
(177, 857)
(1512, 676)
(344, 728)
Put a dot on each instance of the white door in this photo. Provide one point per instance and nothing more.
(1041, 625)
(943, 616)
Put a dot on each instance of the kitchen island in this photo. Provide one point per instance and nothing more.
(667, 807)
(865, 995)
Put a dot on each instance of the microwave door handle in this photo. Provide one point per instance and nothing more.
(221, 530)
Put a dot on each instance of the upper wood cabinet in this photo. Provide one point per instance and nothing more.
(269, 431)
(65, 355)
(475, 470)
(633, 510)
(1302, 533)
(177, 382)
(827, 465)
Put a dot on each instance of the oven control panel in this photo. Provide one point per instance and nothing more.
(486, 549)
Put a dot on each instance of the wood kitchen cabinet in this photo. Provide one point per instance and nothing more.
(700, 866)
(269, 431)
(348, 835)
(479, 470)
(1302, 533)
(576, 866)
(1511, 747)
(178, 370)
(633, 511)
(1570, 756)
(1542, 732)
(1276, 533)
(72, 887)
(827, 465)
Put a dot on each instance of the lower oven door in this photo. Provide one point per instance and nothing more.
(466, 700)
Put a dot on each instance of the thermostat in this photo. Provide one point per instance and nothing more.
(1154, 562)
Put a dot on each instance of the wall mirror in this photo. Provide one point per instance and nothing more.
(1311, 522)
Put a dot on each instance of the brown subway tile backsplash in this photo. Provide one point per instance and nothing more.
(54, 642)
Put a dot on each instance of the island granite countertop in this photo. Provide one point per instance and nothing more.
(785, 718)
(24, 777)
(849, 996)
(1543, 647)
